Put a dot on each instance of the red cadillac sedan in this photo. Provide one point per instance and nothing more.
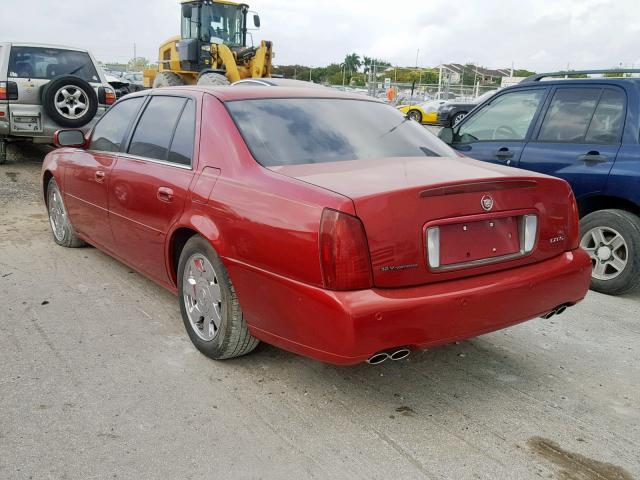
(323, 223)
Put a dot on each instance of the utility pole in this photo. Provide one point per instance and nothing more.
(417, 53)
(134, 52)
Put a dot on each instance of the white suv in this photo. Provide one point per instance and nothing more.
(44, 88)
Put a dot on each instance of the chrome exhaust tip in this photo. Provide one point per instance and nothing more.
(377, 358)
(560, 309)
(547, 316)
(400, 354)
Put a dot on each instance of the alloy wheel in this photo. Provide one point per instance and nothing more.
(608, 251)
(202, 297)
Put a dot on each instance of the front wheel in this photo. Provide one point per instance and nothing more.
(612, 240)
(63, 232)
(210, 309)
(213, 79)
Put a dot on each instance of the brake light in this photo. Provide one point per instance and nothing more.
(344, 252)
(3, 90)
(109, 97)
(574, 222)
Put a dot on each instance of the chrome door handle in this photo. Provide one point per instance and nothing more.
(165, 194)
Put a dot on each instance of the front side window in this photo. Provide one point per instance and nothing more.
(287, 131)
(507, 117)
(47, 63)
(155, 129)
(569, 115)
(109, 133)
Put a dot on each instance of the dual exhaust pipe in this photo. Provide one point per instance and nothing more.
(556, 311)
(397, 354)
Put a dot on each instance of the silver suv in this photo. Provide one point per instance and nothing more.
(44, 88)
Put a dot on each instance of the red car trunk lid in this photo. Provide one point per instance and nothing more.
(398, 199)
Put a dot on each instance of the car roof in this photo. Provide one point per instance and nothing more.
(42, 45)
(579, 81)
(277, 82)
(228, 94)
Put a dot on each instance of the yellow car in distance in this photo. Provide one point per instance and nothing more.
(425, 112)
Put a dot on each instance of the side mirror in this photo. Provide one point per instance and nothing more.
(256, 20)
(446, 135)
(186, 11)
(69, 138)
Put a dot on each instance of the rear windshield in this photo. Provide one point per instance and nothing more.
(47, 63)
(315, 130)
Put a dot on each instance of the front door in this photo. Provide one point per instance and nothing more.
(579, 137)
(87, 174)
(498, 131)
(150, 183)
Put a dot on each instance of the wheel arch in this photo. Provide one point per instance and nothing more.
(594, 203)
(200, 225)
(47, 175)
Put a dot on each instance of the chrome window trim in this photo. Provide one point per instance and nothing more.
(154, 160)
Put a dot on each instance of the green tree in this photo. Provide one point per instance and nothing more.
(352, 63)
(137, 64)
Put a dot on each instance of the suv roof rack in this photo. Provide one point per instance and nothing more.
(539, 76)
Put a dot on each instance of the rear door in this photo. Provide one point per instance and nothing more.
(498, 131)
(150, 182)
(87, 173)
(578, 137)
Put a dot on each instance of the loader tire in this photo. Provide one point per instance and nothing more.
(213, 79)
(167, 79)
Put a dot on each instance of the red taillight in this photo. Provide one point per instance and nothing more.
(574, 222)
(344, 252)
(3, 91)
(109, 97)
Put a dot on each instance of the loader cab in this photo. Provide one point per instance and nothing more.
(215, 23)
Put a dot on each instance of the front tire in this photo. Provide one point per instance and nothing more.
(167, 79)
(210, 309)
(612, 240)
(63, 232)
(212, 79)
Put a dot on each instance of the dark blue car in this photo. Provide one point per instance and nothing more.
(586, 131)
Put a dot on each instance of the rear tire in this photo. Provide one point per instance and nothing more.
(415, 115)
(3, 151)
(167, 79)
(213, 79)
(210, 309)
(612, 240)
(457, 117)
(63, 232)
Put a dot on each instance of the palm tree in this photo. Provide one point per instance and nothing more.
(352, 62)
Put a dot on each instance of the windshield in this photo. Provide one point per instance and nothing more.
(315, 130)
(47, 63)
(221, 24)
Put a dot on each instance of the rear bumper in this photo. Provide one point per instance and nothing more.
(348, 327)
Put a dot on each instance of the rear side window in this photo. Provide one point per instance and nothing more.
(507, 117)
(181, 150)
(108, 134)
(286, 131)
(569, 115)
(155, 129)
(607, 121)
(47, 63)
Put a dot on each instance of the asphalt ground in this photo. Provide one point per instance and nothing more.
(99, 380)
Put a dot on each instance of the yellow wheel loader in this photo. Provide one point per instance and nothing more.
(212, 48)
